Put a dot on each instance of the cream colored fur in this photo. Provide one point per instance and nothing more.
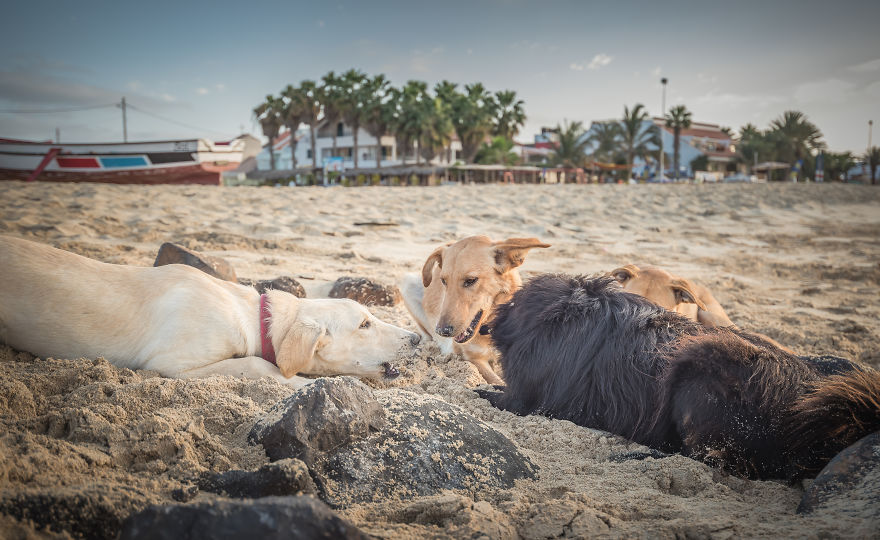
(179, 321)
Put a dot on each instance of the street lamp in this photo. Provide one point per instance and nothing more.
(663, 81)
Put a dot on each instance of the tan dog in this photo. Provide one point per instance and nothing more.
(182, 322)
(456, 294)
(682, 296)
(673, 293)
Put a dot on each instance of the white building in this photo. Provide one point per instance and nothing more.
(391, 154)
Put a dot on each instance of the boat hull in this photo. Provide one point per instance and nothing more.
(194, 161)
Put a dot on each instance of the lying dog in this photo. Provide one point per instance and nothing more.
(679, 295)
(456, 295)
(674, 293)
(183, 323)
(583, 350)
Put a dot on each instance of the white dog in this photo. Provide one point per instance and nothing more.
(182, 322)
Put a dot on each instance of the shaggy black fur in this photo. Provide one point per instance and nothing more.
(581, 349)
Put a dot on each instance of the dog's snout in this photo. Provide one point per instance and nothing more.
(414, 339)
(445, 330)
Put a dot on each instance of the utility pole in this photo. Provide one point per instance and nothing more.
(870, 130)
(663, 81)
(124, 126)
(57, 135)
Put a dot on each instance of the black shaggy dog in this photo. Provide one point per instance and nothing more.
(579, 348)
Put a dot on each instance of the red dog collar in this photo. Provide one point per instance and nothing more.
(265, 342)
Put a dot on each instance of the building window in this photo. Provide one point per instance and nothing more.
(340, 129)
(308, 154)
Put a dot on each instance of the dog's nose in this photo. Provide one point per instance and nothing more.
(414, 339)
(445, 331)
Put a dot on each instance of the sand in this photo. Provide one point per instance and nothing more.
(796, 262)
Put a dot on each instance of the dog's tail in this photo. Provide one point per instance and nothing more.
(838, 411)
(412, 291)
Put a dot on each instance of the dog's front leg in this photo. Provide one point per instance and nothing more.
(482, 364)
(248, 367)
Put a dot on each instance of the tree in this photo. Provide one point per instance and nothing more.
(795, 137)
(511, 116)
(498, 152)
(473, 117)
(838, 164)
(571, 150)
(679, 118)
(872, 158)
(635, 137)
(410, 115)
(302, 101)
(332, 95)
(447, 93)
(268, 115)
(605, 138)
(378, 111)
(354, 83)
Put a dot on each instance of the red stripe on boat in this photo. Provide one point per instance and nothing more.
(78, 163)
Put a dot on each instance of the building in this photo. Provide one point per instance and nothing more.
(367, 149)
(701, 139)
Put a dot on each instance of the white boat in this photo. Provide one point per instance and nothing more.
(188, 161)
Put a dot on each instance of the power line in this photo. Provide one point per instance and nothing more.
(182, 124)
(55, 111)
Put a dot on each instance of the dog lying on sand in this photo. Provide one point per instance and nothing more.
(581, 349)
(182, 322)
(672, 292)
(459, 287)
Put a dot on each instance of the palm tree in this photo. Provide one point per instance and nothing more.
(571, 151)
(331, 95)
(292, 117)
(679, 118)
(499, 152)
(307, 93)
(410, 115)
(795, 136)
(605, 137)
(378, 110)
(635, 136)
(473, 117)
(268, 115)
(872, 158)
(838, 164)
(510, 113)
(435, 134)
(447, 93)
(354, 82)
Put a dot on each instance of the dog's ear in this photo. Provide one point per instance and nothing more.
(511, 253)
(298, 347)
(625, 273)
(428, 270)
(684, 293)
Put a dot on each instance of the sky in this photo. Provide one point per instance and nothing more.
(193, 69)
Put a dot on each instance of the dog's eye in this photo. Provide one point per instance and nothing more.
(443, 281)
(621, 276)
(470, 281)
(364, 325)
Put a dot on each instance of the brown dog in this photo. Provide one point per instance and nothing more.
(673, 293)
(456, 294)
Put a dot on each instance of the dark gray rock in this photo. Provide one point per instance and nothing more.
(283, 283)
(284, 477)
(170, 253)
(426, 446)
(82, 512)
(319, 418)
(301, 517)
(365, 291)
(849, 484)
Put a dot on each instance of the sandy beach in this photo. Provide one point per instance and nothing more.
(82, 439)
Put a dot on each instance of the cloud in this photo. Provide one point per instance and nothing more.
(202, 91)
(873, 90)
(168, 97)
(321, 24)
(731, 99)
(599, 61)
(576, 67)
(829, 90)
(871, 65)
(657, 71)
(220, 87)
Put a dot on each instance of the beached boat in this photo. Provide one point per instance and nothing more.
(190, 161)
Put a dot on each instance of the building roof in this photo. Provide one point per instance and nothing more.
(697, 129)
